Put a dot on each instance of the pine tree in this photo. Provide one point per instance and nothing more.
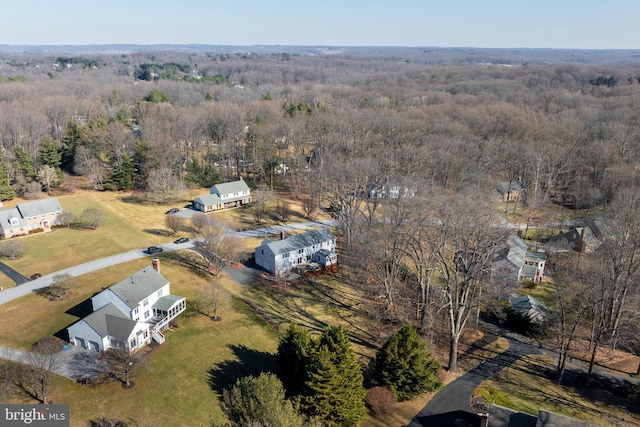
(121, 177)
(294, 349)
(50, 154)
(6, 190)
(25, 164)
(259, 402)
(404, 366)
(334, 391)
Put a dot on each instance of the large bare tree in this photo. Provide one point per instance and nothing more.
(464, 235)
(218, 246)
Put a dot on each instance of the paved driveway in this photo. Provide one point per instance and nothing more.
(18, 278)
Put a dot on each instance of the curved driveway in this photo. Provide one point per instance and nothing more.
(452, 402)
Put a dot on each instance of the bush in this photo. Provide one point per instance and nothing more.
(380, 400)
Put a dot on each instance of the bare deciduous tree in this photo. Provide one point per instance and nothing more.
(462, 242)
(199, 221)
(174, 223)
(119, 363)
(213, 296)
(43, 361)
(48, 177)
(12, 249)
(218, 246)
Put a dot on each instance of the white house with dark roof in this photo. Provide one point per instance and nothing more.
(283, 255)
(37, 215)
(518, 262)
(130, 312)
(224, 195)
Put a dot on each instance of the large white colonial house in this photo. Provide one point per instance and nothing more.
(222, 196)
(283, 255)
(131, 312)
(38, 215)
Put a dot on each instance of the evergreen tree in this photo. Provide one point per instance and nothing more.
(25, 164)
(294, 349)
(121, 177)
(51, 155)
(404, 366)
(194, 173)
(259, 402)
(6, 190)
(334, 391)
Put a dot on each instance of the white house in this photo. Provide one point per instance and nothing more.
(518, 263)
(393, 188)
(224, 195)
(130, 312)
(283, 255)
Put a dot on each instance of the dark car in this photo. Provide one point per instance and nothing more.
(181, 240)
(154, 249)
(172, 211)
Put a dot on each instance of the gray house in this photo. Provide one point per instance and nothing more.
(283, 255)
(130, 313)
(25, 218)
(224, 195)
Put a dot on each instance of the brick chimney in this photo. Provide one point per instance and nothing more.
(156, 264)
(484, 419)
(282, 235)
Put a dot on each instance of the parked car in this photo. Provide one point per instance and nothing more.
(181, 240)
(154, 249)
(172, 211)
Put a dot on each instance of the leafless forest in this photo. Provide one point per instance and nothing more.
(335, 128)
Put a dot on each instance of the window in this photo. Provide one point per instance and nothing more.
(14, 221)
(135, 310)
(159, 293)
(300, 251)
(146, 314)
(285, 255)
(132, 344)
(145, 334)
(299, 260)
(262, 251)
(145, 302)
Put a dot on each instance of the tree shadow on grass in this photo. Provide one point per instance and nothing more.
(157, 232)
(247, 362)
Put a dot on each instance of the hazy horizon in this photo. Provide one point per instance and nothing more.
(496, 24)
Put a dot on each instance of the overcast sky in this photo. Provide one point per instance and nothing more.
(585, 24)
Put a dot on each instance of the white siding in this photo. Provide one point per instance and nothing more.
(107, 296)
(82, 330)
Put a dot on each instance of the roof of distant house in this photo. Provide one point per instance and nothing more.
(508, 186)
(230, 187)
(299, 241)
(38, 207)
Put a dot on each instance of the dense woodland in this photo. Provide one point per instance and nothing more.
(331, 127)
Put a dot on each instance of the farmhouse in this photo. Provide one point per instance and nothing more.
(222, 196)
(283, 255)
(25, 218)
(131, 312)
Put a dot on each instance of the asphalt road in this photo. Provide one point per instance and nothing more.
(14, 275)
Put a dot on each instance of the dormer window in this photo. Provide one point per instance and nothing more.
(13, 221)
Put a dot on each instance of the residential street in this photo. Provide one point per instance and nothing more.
(78, 270)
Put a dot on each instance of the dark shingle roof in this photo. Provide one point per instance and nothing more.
(138, 286)
(299, 241)
(111, 321)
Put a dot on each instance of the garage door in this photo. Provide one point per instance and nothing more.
(94, 346)
(80, 342)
